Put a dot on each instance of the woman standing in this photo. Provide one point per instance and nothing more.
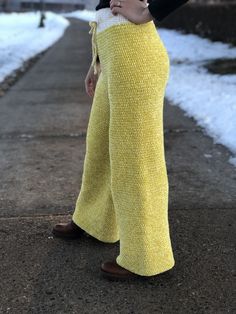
(124, 190)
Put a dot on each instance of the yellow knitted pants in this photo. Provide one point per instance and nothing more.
(124, 190)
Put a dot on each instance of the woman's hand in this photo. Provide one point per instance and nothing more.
(91, 81)
(134, 10)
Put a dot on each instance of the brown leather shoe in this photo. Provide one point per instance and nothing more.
(67, 230)
(112, 270)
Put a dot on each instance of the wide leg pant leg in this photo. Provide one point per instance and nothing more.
(137, 67)
(94, 211)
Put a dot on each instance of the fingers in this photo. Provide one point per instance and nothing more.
(90, 86)
(90, 90)
(112, 4)
(115, 2)
(114, 8)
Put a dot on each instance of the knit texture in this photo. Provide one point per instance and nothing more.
(124, 190)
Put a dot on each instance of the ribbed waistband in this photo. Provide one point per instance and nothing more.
(104, 19)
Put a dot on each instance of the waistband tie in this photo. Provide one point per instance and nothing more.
(93, 25)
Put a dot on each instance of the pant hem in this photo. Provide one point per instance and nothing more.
(94, 233)
(147, 273)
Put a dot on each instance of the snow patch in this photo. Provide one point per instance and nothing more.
(21, 39)
(209, 98)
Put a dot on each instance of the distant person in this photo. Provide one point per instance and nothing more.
(124, 190)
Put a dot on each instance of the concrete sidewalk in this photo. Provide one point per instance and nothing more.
(43, 122)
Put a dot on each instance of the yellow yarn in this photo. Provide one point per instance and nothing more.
(124, 190)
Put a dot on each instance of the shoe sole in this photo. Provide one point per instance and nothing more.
(66, 237)
(112, 277)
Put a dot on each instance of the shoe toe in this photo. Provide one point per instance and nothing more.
(112, 271)
(113, 268)
(108, 266)
(59, 227)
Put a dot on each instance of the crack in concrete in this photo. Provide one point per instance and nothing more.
(182, 130)
(29, 136)
(52, 215)
(51, 89)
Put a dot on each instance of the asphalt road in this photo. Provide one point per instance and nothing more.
(43, 121)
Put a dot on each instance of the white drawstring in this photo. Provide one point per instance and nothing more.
(93, 25)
